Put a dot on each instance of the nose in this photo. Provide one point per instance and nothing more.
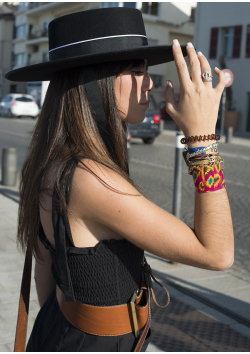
(148, 83)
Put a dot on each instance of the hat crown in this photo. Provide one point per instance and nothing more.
(93, 24)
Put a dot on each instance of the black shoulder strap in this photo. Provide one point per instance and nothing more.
(63, 237)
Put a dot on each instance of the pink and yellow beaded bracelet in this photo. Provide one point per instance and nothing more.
(208, 178)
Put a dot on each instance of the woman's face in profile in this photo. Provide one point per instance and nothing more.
(132, 90)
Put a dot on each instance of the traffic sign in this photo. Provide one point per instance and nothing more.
(229, 77)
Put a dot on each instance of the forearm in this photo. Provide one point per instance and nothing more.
(214, 228)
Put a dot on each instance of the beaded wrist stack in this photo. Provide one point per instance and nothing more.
(195, 138)
(206, 166)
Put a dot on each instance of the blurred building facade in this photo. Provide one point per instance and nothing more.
(7, 21)
(222, 34)
(163, 21)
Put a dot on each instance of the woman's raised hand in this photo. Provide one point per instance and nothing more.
(197, 110)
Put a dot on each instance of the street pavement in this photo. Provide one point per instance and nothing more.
(206, 328)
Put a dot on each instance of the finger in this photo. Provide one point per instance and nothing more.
(205, 67)
(171, 103)
(181, 65)
(194, 62)
(221, 80)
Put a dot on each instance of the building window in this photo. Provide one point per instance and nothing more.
(192, 14)
(20, 60)
(45, 30)
(21, 31)
(150, 8)
(13, 89)
(33, 5)
(248, 42)
(228, 42)
(213, 42)
(23, 5)
(45, 56)
(232, 42)
(248, 115)
(130, 4)
(157, 80)
(110, 4)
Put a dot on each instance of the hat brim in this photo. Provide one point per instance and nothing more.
(43, 71)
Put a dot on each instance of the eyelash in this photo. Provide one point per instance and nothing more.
(137, 72)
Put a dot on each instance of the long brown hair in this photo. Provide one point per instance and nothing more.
(65, 131)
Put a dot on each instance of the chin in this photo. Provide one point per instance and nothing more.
(135, 120)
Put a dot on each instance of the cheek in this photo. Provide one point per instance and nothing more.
(123, 89)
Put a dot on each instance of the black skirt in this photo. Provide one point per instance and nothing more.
(52, 332)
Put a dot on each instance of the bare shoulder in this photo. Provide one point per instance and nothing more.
(93, 177)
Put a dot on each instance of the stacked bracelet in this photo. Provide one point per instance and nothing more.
(206, 166)
(208, 178)
(206, 162)
(198, 152)
(212, 149)
(195, 138)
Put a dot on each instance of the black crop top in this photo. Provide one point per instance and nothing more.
(104, 275)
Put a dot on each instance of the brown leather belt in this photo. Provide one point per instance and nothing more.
(108, 320)
(115, 320)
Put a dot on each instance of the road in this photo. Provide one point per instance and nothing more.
(152, 167)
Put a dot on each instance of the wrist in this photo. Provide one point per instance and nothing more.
(200, 143)
(196, 140)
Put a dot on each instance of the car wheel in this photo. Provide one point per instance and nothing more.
(9, 114)
(148, 140)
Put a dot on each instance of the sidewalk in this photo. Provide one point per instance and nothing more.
(11, 268)
(221, 288)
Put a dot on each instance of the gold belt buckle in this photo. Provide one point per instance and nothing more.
(134, 317)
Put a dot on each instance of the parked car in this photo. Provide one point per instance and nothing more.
(17, 105)
(151, 127)
(164, 113)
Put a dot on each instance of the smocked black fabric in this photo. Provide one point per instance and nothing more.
(104, 275)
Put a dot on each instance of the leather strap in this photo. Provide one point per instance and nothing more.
(106, 320)
(23, 311)
(148, 274)
(93, 317)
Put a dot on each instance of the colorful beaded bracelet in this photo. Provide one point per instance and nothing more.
(195, 138)
(208, 162)
(203, 150)
(208, 178)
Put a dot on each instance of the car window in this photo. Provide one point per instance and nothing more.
(9, 98)
(24, 99)
(5, 99)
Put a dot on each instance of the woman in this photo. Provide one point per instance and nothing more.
(76, 193)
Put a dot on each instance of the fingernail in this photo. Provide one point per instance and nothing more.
(190, 45)
(167, 81)
(199, 53)
(176, 43)
(217, 68)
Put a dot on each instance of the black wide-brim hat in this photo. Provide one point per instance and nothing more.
(95, 36)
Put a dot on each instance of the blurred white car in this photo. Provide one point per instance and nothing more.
(17, 105)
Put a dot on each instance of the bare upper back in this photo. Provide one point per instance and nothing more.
(85, 232)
